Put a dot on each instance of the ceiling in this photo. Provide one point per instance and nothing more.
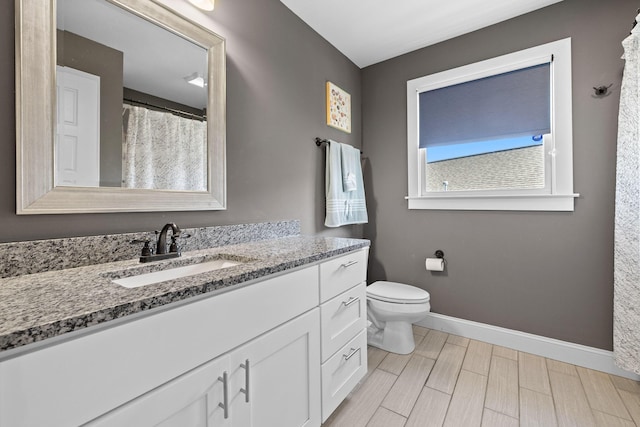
(156, 61)
(371, 31)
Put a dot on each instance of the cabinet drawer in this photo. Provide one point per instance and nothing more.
(340, 274)
(342, 372)
(342, 318)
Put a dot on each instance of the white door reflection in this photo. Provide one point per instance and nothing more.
(77, 154)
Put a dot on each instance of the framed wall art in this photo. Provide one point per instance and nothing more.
(338, 108)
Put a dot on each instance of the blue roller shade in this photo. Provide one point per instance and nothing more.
(513, 104)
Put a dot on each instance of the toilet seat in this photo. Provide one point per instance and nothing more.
(398, 293)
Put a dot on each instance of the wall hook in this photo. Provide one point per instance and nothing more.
(602, 90)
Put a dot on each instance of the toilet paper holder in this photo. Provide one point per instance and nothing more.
(436, 264)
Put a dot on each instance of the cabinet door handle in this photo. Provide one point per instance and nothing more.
(349, 264)
(225, 390)
(351, 353)
(351, 301)
(245, 390)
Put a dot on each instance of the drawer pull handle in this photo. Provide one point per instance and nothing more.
(351, 301)
(352, 352)
(348, 264)
(225, 387)
(245, 390)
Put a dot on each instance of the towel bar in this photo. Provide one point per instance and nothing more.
(320, 141)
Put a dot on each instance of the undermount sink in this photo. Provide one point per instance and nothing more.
(144, 279)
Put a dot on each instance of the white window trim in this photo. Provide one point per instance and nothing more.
(560, 195)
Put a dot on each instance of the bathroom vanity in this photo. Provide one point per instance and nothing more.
(277, 340)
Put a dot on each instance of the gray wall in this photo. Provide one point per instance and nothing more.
(544, 273)
(87, 55)
(276, 73)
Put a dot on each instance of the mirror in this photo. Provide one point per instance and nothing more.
(156, 142)
(157, 138)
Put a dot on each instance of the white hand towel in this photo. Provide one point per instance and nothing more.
(350, 162)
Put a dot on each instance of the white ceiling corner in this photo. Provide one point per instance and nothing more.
(371, 31)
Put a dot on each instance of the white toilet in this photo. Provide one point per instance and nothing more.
(392, 308)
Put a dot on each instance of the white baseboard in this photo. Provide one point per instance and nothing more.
(575, 354)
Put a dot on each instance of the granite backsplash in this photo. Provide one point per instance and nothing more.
(19, 258)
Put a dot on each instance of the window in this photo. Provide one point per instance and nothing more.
(494, 135)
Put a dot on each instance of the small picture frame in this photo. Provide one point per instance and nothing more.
(338, 108)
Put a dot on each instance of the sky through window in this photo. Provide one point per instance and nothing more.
(455, 151)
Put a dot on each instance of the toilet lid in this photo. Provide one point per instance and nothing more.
(397, 292)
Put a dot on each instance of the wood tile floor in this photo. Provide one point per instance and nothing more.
(453, 381)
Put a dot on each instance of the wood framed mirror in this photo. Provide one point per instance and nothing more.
(41, 115)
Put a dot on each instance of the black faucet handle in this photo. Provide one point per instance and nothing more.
(173, 247)
(146, 249)
(138, 241)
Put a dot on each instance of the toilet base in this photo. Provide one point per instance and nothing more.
(396, 337)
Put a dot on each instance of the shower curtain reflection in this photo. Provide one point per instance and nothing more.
(163, 151)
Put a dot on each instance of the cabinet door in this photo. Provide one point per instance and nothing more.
(190, 400)
(276, 379)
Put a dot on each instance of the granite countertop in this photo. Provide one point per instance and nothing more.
(35, 307)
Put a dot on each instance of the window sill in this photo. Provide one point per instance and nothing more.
(537, 202)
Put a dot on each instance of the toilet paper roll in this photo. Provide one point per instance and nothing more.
(434, 264)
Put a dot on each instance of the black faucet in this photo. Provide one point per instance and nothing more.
(162, 252)
(161, 245)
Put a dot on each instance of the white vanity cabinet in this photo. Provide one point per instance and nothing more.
(343, 313)
(291, 346)
(77, 380)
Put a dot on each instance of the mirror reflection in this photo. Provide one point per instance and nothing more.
(131, 102)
